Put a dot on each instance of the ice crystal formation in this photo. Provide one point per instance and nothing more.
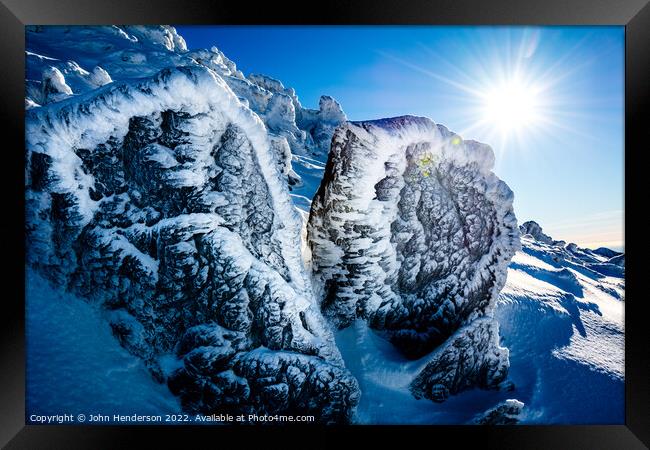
(411, 231)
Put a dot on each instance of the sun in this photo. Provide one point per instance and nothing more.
(511, 106)
(503, 93)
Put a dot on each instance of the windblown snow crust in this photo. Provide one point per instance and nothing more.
(161, 200)
(412, 231)
(561, 315)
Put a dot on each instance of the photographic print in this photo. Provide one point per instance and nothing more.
(324, 224)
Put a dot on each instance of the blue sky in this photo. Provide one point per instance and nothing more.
(558, 92)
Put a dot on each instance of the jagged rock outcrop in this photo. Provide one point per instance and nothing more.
(533, 229)
(161, 200)
(111, 53)
(412, 231)
(559, 254)
(321, 123)
(505, 413)
(471, 357)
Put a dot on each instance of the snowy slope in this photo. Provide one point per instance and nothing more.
(75, 365)
(561, 314)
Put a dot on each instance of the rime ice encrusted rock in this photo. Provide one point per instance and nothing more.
(160, 199)
(472, 357)
(505, 413)
(412, 231)
(111, 53)
(535, 231)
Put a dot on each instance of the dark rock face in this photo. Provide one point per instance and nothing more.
(162, 201)
(422, 231)
(216, 377)
(412, 231)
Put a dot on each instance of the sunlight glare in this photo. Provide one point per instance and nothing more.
(511, 106)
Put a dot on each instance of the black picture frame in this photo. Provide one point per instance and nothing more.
(15, 14)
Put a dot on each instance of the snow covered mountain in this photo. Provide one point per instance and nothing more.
(174, 194)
